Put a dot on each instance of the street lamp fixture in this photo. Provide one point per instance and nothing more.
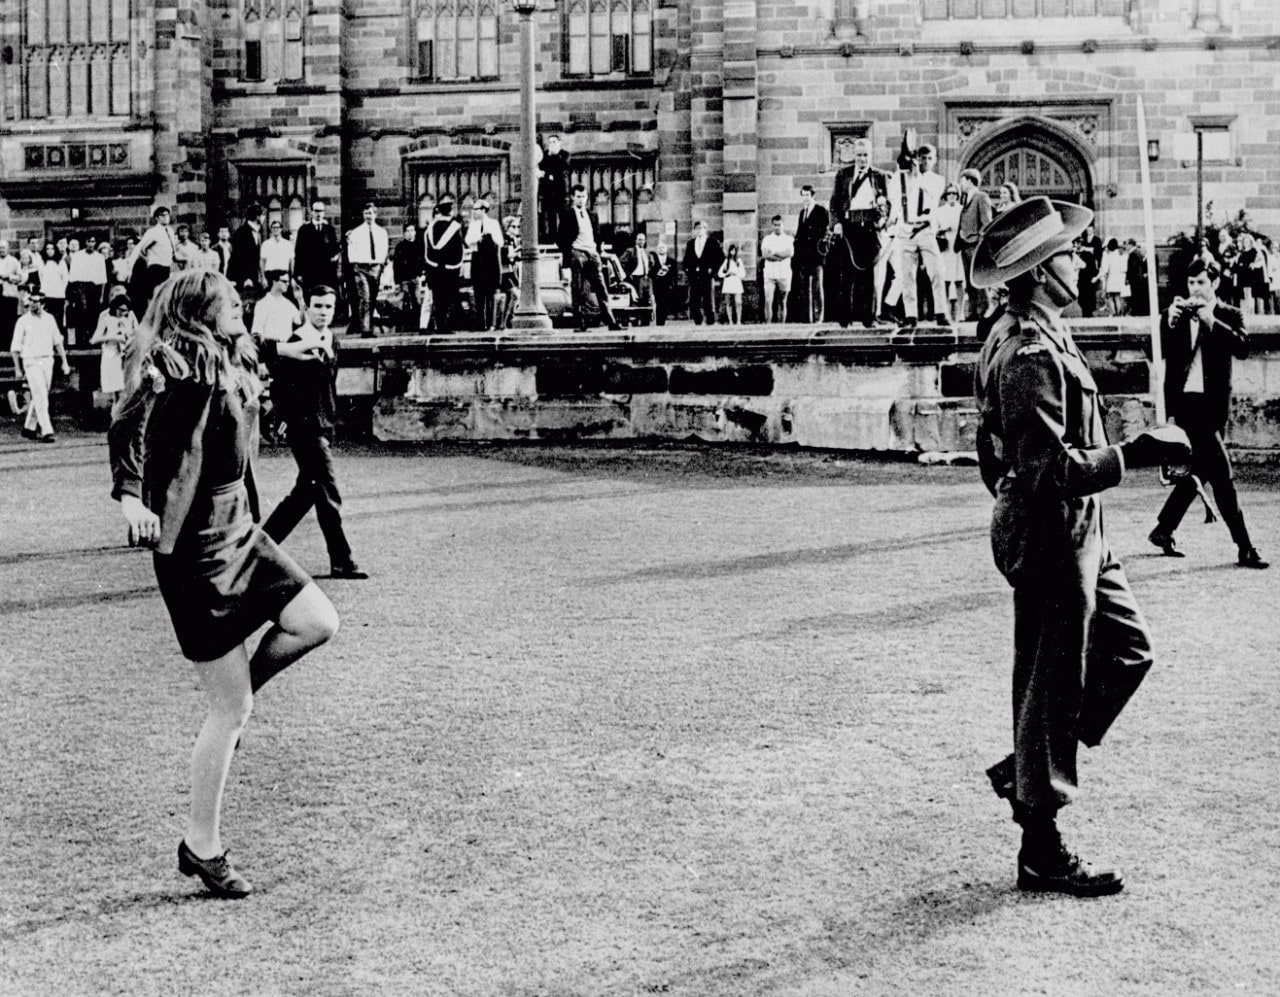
(530, 312)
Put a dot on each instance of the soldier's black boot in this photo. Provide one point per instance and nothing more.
(1046, 865)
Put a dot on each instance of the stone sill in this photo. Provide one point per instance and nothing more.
(927, 344)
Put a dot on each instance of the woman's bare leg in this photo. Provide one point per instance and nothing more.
(306, 622)
(226, 684)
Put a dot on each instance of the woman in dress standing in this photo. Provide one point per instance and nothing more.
(947, 221)
(116, 328)
(1111, 275)
(732, 271)
(182, 444)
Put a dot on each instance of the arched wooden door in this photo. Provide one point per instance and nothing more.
(1037, 162)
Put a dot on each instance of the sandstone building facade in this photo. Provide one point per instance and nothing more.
(673, 110)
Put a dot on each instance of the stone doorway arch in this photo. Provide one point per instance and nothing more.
(1038, 154)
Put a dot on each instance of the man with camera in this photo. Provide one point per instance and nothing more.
(859, 209)
(1199, 336)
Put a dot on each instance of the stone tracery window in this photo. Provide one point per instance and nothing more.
(75, 58)
(455, 40)
(609, 36)
(960, 10)
(273, 39)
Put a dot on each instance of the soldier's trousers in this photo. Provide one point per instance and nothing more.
(1081, 649)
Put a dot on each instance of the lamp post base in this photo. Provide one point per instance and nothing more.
(531, 319)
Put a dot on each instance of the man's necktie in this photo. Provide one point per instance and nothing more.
(373, 247)
(919, 202)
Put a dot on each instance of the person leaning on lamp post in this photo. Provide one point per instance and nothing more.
(1081, 645)
(36, 339)
(1200, 336)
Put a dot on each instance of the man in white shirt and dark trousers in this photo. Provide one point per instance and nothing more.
(367, 249)
(277, 251)
(155, 253)
(914, 194)
(777, 248)
(35, 341)
(86, 282)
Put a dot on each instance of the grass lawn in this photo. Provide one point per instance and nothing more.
(626, 720)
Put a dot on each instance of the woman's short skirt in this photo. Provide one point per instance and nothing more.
(225, 577)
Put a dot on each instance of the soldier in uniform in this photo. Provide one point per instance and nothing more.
(858, 202)
(1081, 645)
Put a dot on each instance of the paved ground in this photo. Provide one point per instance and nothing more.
(625, 721)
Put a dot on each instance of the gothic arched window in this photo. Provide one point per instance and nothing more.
(68, 58)
(606, 37)
(455, 40)
(273, 35)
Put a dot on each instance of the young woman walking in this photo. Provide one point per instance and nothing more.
(182, 444)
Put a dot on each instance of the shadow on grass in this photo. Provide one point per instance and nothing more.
(920, 916)
(109, 907)
(525, 501)
(66, 555)
(74, 600)
(896, 617)
(815, 556)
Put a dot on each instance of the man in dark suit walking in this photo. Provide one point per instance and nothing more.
(858, 199)
(579, 235)
(806, 264)
(975, 214)
(1199, 336)
(702, 259)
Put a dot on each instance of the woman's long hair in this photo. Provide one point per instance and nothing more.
(186, 322)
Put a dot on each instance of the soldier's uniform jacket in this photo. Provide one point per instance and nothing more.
(1042, 449)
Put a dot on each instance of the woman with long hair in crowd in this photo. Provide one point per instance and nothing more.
(182, 444)
(732, 272)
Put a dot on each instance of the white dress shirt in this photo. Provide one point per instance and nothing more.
(274, 317)
(276, 254)
(367, 244)
(1195, 373)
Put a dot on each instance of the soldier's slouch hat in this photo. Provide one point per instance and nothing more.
(1023, 237)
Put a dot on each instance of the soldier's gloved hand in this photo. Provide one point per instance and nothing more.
(1152, 447)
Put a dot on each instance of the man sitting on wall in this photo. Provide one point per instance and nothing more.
(579, 234)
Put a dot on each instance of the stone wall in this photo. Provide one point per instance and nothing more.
(828, 389)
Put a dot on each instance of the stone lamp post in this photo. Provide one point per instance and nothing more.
(530, 312)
